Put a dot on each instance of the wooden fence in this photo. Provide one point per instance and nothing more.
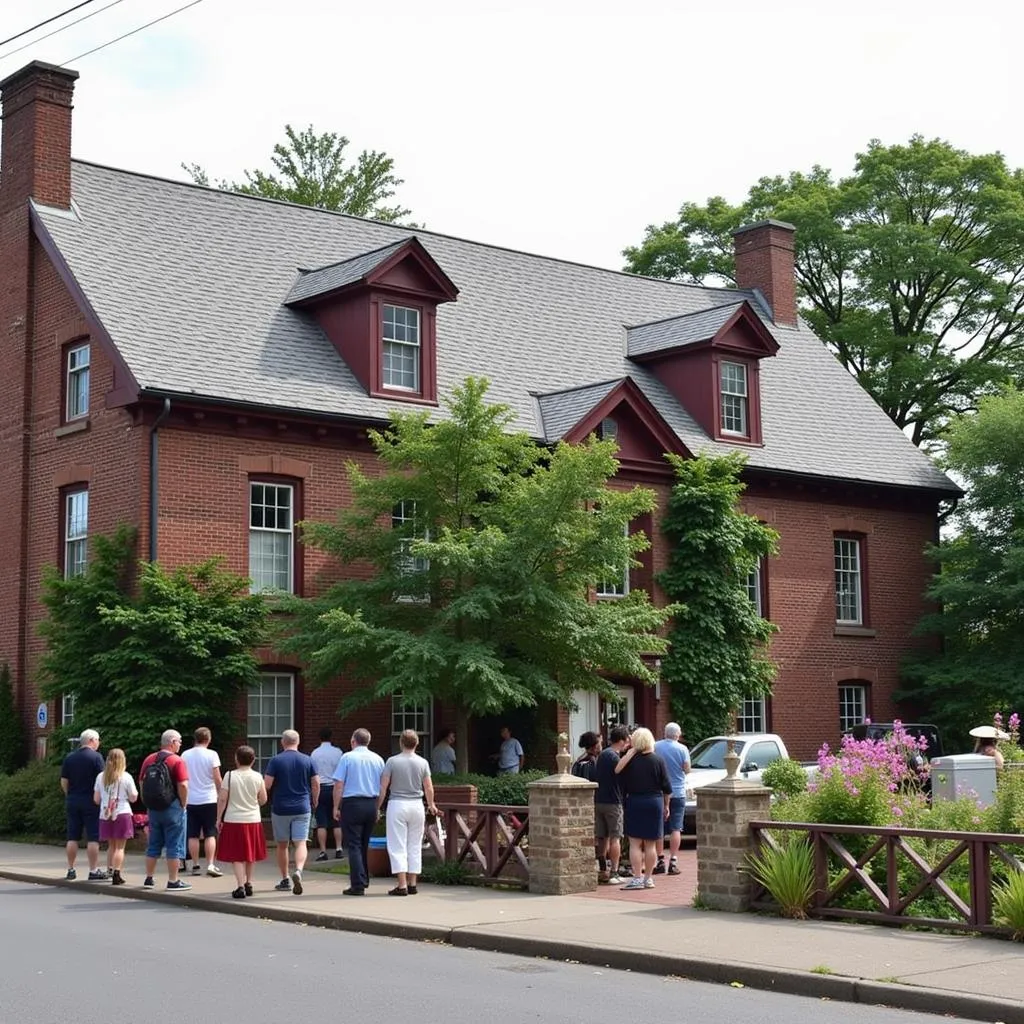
(487, 838)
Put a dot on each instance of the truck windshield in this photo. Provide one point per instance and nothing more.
(711, 753)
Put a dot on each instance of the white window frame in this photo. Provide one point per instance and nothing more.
(734, 399)
(76, 533)
(853, 705)
(76, 386)
(414, 715)
(615, 590)
(269, 722)
(408, 564)
(67, 708)
(752, 715)
(257, 534)
(393, 346)
(848, 561)
(755, 591)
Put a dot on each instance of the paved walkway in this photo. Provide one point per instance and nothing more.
(974, 978)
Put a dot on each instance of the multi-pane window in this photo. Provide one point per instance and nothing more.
(271, 711)
(849, 591)
(403, 517)
(416, 715)
(76, 531)
(616, 586)
(271, 537)
(755, 591)
(77, 382)
(853, 705)
(752, 715)
(67, 709)
(734, 399)
(401, 348)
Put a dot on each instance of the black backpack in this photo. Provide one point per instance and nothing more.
(156, 786)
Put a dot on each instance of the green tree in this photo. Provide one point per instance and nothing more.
(312, 169)
(717, 654)
(144, 649)
(979, 588)
(911, 270)
(482, 547)
(12, 735)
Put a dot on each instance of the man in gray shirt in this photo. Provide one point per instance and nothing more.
(325, 759)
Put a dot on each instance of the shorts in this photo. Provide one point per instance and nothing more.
(201, 820)
(121, 827)
(83, 816)
(325, 809)
(608, 821)
(290, 826)
(676, 805)
(167, 832)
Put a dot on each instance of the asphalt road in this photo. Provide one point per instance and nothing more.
(93, 959)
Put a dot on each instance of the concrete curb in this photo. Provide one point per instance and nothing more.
(837, 987)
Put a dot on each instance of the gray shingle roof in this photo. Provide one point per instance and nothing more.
(189, 283)
(560, 411)
(678, 331)
(337, 275)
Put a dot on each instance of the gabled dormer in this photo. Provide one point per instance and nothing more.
(379, 310)
(710, 360)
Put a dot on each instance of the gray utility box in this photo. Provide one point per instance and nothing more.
(964, 775)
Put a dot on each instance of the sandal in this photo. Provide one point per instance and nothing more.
(413, 890)
(398, 892)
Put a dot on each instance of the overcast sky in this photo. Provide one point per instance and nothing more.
(561, 127)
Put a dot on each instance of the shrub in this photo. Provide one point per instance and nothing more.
(1007, 813)
(12, 738)
(445, 872)
(785, 776)
(509, 790)
(788, 875)
(1008, 904)
(31, 802)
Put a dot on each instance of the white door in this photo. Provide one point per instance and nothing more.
(586, 719)
(620, 711)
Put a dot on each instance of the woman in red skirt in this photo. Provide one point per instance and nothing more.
(238, 820)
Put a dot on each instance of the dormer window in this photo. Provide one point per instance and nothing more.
(400, 348)
(734, 399)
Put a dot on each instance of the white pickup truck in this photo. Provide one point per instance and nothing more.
(756, 751)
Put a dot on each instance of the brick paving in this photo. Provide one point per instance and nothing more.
(670, 890)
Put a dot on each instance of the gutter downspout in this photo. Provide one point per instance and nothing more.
(154, 477)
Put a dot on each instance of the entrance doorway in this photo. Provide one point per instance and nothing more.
(600, 714)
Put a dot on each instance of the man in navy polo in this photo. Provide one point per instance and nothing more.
(356, 789)
(294, 789)
(78, 773)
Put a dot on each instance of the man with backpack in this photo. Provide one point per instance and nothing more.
(163, 785)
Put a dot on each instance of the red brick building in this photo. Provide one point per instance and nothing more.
(203, 364)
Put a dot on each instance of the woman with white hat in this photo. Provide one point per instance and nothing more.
(987, 736)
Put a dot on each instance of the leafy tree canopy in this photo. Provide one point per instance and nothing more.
(979, 587)
(911, 270)
(718, 642)
(468, 562)
(313, 169)
(12, 735)
(141, 654)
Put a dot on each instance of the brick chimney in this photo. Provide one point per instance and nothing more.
(764, 260)
(36, 144)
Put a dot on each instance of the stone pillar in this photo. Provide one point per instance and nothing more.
(724, 813)
(562, 858)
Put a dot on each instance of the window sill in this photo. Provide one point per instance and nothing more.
(855, 631)
(74, 427)
(415, 397)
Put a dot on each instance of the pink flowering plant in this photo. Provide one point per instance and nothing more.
(1010, 749)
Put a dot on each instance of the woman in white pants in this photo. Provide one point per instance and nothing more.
(407, 778)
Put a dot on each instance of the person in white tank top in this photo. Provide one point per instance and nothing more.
(204, 781)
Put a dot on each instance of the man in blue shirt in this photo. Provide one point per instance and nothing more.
(78, 773)
(677, 760)
(356, 789)
(294, 790)
(325, 759)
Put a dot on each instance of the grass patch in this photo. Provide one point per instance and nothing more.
(822, 969)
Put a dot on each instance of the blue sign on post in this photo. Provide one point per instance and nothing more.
(42, 716)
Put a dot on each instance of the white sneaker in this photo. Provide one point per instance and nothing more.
(648, 883)
(614, 880)
(214, 872)
(633, 885)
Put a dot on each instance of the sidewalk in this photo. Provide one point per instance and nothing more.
(976, 978)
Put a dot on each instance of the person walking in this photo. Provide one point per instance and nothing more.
(356, 792)
(113, 793)
(242, 844)
(325, 759)
(163, 784)
(442, 757)
(510, 755)
(676, 756)
(203, 766)
(608, 798)
(648, 791)
(294, 790)
(78, 773)
(407, 778)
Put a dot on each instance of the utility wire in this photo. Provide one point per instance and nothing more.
(155, 21)
(70, 10)
(70, 24)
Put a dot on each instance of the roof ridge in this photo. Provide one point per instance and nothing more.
(358, 256)
(683, 316)
(580, 387)
(704, 289)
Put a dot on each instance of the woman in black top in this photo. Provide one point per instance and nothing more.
(648, 791)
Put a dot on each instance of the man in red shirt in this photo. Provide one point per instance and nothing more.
(163, 783)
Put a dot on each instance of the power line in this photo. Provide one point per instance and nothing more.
(155, 21)
(70, 24)
(70, 10)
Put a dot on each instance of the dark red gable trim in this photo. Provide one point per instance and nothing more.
(762, 342)
(627, 392)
